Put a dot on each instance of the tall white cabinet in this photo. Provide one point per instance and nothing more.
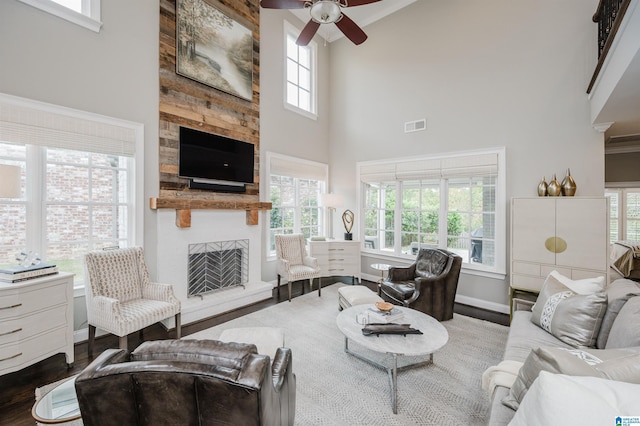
(568, 234)
(36, 321)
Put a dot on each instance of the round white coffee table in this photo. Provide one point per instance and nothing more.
(434, 337)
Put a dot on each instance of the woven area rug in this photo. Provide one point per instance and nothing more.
(334, 388)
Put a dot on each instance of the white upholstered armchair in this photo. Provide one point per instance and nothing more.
(293, 262)
(120, 296)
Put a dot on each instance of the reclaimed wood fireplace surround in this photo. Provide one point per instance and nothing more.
(185, 102)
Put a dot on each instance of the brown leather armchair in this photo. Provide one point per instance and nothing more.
(188, 382)
(429, 285)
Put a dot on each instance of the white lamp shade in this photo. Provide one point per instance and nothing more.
(9, 181)
(331, 201)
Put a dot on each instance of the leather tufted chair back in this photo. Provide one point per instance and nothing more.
(188, 382)
(430, 263)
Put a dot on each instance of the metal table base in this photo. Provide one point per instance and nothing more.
(391, 371)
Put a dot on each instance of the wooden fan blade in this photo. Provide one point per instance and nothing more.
(359, 2)
(282, 4)
(307, 33)
(351, 30)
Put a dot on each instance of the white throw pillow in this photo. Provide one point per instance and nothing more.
(558, 399)
(584, 286)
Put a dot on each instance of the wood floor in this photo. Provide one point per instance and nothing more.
(17, 389)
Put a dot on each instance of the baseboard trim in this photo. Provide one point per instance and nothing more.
(483, 304)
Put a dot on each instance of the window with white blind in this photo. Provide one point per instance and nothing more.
(295, 186)
(624, 214)
(455, 202)
(80, 183)
(85, 13)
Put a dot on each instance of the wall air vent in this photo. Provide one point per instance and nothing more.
(414, 126)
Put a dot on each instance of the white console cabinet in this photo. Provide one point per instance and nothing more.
(568, 234)
(36, 321)
(337, 257)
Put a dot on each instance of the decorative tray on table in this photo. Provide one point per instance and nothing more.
(389, 328)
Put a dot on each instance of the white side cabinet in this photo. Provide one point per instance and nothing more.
(337, 257)
(568, 234)
(36, 321)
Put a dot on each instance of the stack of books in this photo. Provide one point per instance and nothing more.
(14, 274)
(376, 316)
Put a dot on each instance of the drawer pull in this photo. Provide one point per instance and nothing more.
(11, 357)
(17, 330)
(338, 249)
(335, 259)
(11, 307)
(336, 269)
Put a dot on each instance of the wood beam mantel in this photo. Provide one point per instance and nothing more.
(184, 206)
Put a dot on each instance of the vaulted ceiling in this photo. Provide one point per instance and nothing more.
(621, 107)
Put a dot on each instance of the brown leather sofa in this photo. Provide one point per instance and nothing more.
(429, 285)
(188, 382)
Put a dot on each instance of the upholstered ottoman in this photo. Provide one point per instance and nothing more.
(266, 339)
(353, 295)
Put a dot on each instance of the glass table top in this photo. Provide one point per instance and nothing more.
(59, 405)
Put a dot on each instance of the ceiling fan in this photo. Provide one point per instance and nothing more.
(323, 12)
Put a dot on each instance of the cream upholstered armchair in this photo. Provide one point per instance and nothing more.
(120, 296)
(293, 262)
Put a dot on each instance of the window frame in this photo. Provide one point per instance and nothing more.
(89, 18)
(622, 217)
(291, 31)
(300, 165)
(81, 119)
(498, 270)
(37, 200)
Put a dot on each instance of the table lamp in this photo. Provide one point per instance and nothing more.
(9, 181)
(331, 202)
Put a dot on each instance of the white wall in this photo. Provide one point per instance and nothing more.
(484, 74)
(281, 130)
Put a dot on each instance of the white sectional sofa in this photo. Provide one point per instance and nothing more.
(611, 329)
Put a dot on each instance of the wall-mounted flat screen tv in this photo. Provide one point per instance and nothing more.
(210, 158)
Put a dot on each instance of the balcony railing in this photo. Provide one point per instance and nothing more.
(608, 16)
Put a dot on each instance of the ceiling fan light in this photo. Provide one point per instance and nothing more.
(325, 11)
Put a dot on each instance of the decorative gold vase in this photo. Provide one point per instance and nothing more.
(554, 189)
(568, 185)
(542, 187)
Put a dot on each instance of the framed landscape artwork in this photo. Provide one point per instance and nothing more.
(213, 48)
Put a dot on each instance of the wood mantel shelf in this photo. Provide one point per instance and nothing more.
(184, 206)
